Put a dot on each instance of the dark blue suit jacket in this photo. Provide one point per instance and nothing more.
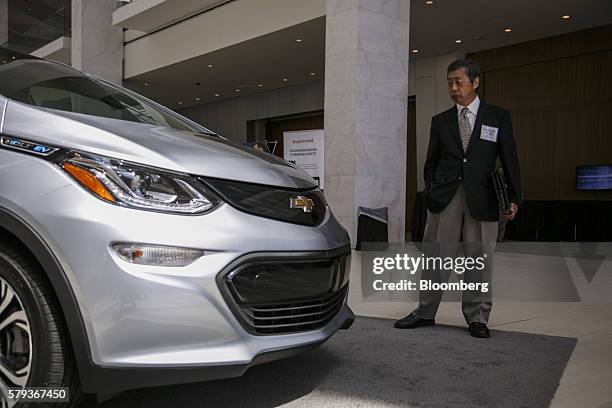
(447, 165)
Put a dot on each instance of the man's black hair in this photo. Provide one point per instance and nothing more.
(471, 67)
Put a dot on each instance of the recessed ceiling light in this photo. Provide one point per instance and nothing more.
(216, 94)
(508, 30)
(180, 103)
(429, 2)
(146, 84)
(237, 90)
(565, 17)
(210, 65)
(458, 41)
(260, 85)
(298, 40)
(313, 73)
(285, 79)
(29, 9)
(197, 99)
(415, 50)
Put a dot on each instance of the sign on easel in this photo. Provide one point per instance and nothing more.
(306, 149)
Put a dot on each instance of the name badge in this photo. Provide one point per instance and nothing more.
(489, 133)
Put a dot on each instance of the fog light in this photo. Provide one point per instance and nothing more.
(156, 255)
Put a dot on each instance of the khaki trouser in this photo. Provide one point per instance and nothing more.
(444, 232)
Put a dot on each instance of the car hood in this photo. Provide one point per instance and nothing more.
(197, 154)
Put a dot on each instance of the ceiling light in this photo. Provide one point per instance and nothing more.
(237, 90)
(429, 2)
(298, 40)
(415, 51)
(180, 103)
(210, 65)
(197, 99)
(508, 30)
(458, 41)
(313, 74)
(146, 84)
(285, 79)
(565, 17)
(260, 85)
(216, 94)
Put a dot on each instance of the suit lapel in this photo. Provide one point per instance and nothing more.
(454, 127)
(477, 126)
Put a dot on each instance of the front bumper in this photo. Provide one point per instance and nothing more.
(111, 380)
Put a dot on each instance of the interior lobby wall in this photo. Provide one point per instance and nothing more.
(559, 93)
(229, 117)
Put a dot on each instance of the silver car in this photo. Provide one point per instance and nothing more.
(138, 248)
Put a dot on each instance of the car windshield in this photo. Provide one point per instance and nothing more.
(50, 85)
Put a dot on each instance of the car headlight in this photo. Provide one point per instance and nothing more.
(137, 186)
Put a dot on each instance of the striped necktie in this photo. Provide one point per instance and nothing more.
(464, 128)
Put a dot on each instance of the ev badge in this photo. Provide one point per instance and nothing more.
(28, 146)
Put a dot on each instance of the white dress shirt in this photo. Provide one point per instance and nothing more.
(473, 107)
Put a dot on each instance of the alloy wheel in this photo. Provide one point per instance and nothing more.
(15, 343)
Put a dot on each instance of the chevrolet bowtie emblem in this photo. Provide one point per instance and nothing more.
(301, 202)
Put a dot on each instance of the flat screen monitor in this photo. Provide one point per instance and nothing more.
(595, 177)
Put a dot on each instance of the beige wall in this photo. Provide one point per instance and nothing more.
(215, 30)
(149, 15)
(229, 117)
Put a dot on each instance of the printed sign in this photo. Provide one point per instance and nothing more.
(305, 149)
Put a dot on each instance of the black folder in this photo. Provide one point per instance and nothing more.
(501, 190)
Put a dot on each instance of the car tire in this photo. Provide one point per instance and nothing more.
(35, 349)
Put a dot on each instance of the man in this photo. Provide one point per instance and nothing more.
(261, 146)
(464, 144)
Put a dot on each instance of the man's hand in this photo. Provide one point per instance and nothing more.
(514, 210)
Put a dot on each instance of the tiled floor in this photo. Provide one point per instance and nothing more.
(587, 380)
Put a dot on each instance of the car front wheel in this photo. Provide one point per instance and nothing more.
(35, 348)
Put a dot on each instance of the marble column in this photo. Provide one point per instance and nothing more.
(3, 21)
(97, 46)
(366, 91)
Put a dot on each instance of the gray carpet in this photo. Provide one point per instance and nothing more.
(374, 365)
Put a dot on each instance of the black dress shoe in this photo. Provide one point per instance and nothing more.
(479, 330)
(412, 322)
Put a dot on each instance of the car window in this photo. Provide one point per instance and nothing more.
(54, 86)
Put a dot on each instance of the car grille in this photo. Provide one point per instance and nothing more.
(271, 202)
(287, 292)
(294, 317)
